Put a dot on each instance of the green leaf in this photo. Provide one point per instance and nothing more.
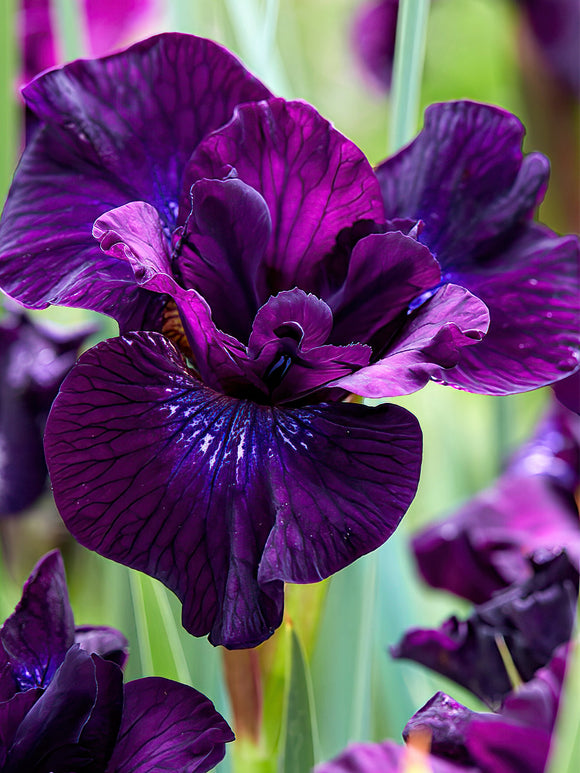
(300, 744)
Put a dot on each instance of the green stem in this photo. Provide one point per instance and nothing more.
(144, 643)
(407, 71)
(172, 632)
(8, 98)
(363, 654)
(70, 25)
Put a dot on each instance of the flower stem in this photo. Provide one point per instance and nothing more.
(172, 632)
(407, 71)
(8, 99)
(70, 26)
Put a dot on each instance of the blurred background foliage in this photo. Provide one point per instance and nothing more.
(344, 625)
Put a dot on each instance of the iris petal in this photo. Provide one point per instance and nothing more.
(219, 498)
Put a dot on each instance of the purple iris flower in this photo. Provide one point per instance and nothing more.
(484, 546)
(249, 238)
(63, 705)
(215, 451)
(34, 359)
(460, 740)
(373, 39)
(532, 618)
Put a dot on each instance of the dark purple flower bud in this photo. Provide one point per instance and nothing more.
(531, 620)
(483, 547)
(34, 359)
(63, 706)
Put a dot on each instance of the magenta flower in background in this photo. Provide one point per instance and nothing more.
(249, 238)
(531, 507)
(110, 25)
(63, 705)
(34, 359)
(373, 40)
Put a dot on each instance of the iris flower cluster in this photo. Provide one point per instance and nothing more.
(261, 272)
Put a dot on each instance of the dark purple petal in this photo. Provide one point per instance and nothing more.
(33, 361)
(106, 642)
(556, 26)
(568, 392)
(222, 248)
(73, 725)
(532, 619)
(432, 341)
(220, 498)
(287, 347)
(385, 273)
(465, 176)
(99, 150)
(531, 288)
(12, 712)
(387, 757)
(503, 747)
(373, 39)
(168, 726)
(483, 547)
(314, 181)
(38, 634)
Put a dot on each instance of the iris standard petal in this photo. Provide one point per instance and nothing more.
(39, 632)
(465, 176)
(104, 641)
(214, 495)
(221, 249)
(314, 181)
(168, 726)
(97, 150)
(432, 341)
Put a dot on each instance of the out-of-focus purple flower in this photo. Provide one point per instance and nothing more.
(373, 39)
(34, 359)
(465, 177)
(460, 740)
(531, 507)
(514, 740)
(556, 27)
(110, 24)
(252, 234)
(63, 705)
(532, 619)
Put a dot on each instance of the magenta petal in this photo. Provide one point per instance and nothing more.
(314, 181)
(91, 156)
(387, 757)
(168, 726)
(38, 634)
(373, 39)
(220, 498)
(432, 342)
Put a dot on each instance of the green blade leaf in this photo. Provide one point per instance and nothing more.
(300, 744)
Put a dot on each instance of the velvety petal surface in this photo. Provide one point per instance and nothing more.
(465, 177)
(38, 634)
(168, 726)
(98, 150)
(220, 498)
(432, 341)
(106, 642)
(532, 619)
(74, 724)
(315, 183)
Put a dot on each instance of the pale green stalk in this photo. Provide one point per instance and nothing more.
(70, 25)
(8, 99)
(407, 71)
(143, 641)
(363, 655)
(172, 631)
